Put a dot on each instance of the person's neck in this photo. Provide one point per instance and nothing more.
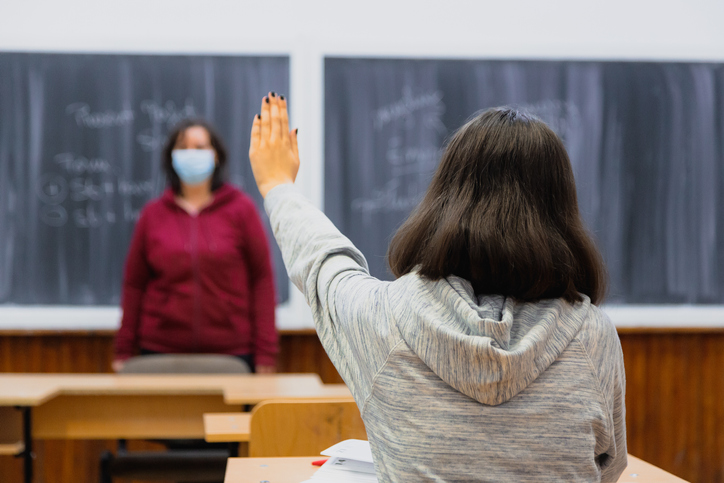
(193, 198)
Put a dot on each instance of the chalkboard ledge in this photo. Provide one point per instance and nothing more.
(666, 318)
(50, 318)
(627, 318)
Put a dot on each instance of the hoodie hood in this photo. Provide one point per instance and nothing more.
(487, 347)
(222, 195)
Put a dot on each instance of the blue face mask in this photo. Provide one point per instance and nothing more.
(193, 166)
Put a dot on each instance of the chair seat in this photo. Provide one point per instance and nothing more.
(185, 364)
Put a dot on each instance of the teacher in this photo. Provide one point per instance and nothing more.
(198, 276)
(487, 359)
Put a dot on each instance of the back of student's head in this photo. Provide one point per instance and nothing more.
(501, 211)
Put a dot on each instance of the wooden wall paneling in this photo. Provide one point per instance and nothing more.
(635, 412)
(680, 388)
(93, 352)
(712, 406)
(304, 353)
(55, 352)
(675, 402)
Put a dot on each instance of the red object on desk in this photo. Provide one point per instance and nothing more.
(319, 462)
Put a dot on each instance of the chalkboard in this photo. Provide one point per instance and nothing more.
(80, 154)
(646, 141)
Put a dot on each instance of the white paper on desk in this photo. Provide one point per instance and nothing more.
(355, 466)
(354, 449)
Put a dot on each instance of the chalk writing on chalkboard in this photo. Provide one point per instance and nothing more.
(81, 137)
(644, 139)
(98, 120)
(409, 166)
(85, 183)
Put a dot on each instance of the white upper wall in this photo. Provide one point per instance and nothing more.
(307, 30)
(619, 29)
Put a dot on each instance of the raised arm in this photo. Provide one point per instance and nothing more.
(348, 305)
(275, 161)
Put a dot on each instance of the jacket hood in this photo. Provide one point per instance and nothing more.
(222, 195)
(487, 347)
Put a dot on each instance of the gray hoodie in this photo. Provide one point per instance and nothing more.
(453, 386)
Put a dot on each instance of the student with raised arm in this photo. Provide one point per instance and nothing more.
(487, 359)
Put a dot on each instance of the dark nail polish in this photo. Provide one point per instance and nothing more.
(274, 94)
(281, 97)
(258, 116)
(296, 131)
(267, 100)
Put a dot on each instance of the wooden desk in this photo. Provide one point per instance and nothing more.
(298, 386)
(138, 406)
(271, 470)
(295, 470)
(36, 389)
(227, 427)
(134, 406)
(101, 406)
(639, 471)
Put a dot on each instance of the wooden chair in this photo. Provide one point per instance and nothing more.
(303, 428)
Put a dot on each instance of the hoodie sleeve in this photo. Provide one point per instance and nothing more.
(348, 305)
(603, 347)
(136, 274)
(617, 452)
(261, 282)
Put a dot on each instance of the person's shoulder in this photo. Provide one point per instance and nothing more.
(599, 337)
(238, 201)
(158, 204)
(230, 194)
(598, 322)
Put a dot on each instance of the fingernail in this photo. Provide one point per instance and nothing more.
(258, 116)
(267, 99)
(296, 131)
(274, 94)
(281, 97)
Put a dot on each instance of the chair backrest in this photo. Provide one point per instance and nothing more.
(294, 427)
(185, 364)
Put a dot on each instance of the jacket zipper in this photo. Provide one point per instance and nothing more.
(197, 280)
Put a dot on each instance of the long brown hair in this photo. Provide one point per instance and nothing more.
(501, 211)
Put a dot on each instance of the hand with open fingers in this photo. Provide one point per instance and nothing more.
(273, 152)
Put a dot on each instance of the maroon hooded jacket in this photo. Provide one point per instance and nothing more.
(199, 284)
